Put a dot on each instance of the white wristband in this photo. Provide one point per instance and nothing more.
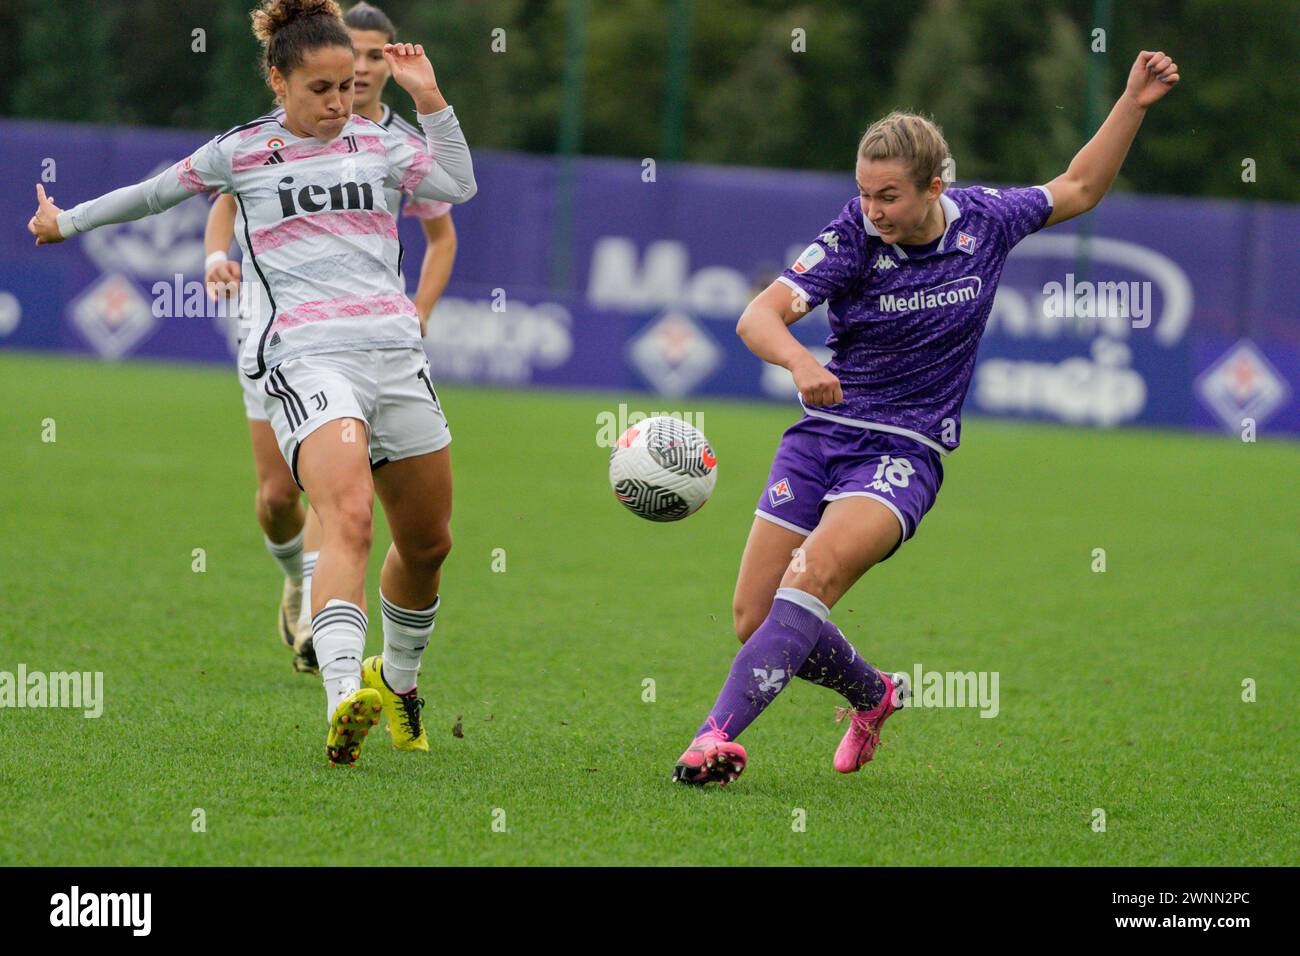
(212, 259)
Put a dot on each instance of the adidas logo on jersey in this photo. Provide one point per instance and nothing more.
(313, 197)
(884, 262)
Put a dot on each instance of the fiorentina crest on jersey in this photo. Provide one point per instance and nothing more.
(780, 492)
(966, 243)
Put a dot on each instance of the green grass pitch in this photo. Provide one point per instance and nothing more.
(1119, 690)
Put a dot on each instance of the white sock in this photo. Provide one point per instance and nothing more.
(406, 635)
(288, 556)
(308, 569)
(339, 635)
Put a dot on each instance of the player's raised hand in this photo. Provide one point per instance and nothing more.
(412, 71)
(222, 280)
(816, 385)
(1153, 75)
(45, 224)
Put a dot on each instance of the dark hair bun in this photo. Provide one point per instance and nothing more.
(274, 15)
(289, 29)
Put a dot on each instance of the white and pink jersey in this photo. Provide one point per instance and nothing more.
(394, 199)
(316, 225)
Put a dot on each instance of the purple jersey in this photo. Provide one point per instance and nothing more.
(906, 323)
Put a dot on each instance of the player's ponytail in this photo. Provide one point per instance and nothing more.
(367, 16)
(289, 29)
(914, 140)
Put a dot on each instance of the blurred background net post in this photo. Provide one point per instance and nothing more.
(644, 168)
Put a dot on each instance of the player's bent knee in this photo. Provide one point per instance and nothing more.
(428, 555)
(352, 520)
(746, 621)
(818, 577)
(277, 496)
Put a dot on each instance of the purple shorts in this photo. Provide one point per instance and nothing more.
(819, 461)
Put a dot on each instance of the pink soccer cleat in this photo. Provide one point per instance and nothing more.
(710, 757)
(863, 736)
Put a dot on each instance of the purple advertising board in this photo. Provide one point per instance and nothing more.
(617, 274)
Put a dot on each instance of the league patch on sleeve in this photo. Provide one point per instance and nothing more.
(809, 258)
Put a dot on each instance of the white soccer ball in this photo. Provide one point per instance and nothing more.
(663, 469)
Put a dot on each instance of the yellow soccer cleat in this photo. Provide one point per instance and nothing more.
(405, 725)
(352, 720)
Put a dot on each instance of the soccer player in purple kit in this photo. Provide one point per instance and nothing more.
(909, 270)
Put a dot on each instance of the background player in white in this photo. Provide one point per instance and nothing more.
(340, 356)
(291, 540)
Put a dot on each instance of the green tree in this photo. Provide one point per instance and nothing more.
(939, 74)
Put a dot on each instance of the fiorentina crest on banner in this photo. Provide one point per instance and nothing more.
(112, 315)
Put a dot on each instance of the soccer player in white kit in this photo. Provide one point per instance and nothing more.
(293, 537)
(338, 353)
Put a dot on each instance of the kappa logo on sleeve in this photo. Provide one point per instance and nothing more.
(809, 258)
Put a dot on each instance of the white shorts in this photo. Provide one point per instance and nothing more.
(252, 398)
(252, 388)
(388, 389)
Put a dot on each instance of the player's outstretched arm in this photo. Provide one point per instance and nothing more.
(450, 178)
(1095, 166)
(173, 185)
(764, 328)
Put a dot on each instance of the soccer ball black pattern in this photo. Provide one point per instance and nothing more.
(678, 447)
(663, 469)
(657, 504)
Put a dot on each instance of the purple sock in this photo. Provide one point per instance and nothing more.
(772, 655)
(835, 663)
